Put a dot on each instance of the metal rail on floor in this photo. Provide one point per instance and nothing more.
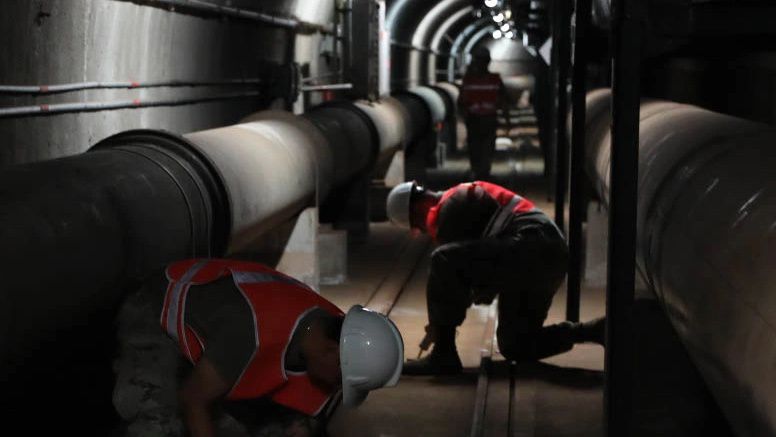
(389, 290)
(483, 381)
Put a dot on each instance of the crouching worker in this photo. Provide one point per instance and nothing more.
(248, 333)
(491, 242)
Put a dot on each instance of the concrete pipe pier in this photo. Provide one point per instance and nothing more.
(707, 242)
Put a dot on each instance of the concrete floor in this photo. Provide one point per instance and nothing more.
(559, 396)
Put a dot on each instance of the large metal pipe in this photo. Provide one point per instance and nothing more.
(271, 166)
(707, 243)
(391, 120)
(449, 133)
(434, 101)
(76, 232)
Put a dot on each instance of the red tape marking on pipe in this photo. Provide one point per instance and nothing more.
(134, 84)
(43, 88)
(136, 102)
(44, 108)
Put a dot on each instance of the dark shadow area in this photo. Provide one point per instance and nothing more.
(671, 398)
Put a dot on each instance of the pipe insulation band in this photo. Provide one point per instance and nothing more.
(77, 231)
(434, 102)
(707, 242)
(391, 120)
(419, 114)
(352, 137)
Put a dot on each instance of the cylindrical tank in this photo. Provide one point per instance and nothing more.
(707, 243)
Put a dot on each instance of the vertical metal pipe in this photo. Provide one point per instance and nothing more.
(561, 61)
(577, 195)
(626, 60)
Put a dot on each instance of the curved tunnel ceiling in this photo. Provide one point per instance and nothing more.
(402, 18)
(459, 44)
(423, 33)
(454, 20)
(444, 28)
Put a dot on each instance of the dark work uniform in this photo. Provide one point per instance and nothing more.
(480, 94)
(522, 260)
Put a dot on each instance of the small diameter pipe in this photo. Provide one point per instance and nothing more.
(245, 14)
(59, 108)
(329, 87)
(80, 86)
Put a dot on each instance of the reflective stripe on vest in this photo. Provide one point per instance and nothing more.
(280, 307)
(175, 302)
(520, 205)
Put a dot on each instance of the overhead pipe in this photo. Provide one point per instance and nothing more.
(62, 108)
(129, 84)
(707, 242)
(423, 33)
(440, 33)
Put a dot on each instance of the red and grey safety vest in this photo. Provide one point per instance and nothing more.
(510, 203)
(480, 93)
(278, 303)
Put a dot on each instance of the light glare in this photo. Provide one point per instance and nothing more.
(496, 34)
(509, 34)
(491, 3)
(498, 18)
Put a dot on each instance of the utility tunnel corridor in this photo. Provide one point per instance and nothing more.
(593, 178)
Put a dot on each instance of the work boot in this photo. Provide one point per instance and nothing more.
(592, 331)
(443, 359)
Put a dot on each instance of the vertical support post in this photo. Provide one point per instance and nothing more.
(626, 73)
(577, 195)
(561, 62)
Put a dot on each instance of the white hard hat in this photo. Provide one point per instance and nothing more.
(398, 204)
(371, 354)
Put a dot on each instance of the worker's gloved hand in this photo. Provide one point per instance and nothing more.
(427, 340)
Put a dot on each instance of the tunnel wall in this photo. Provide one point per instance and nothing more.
(707, 242)
(52, 42)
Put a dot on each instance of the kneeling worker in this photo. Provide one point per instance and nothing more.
(491, 242)
(250, 332)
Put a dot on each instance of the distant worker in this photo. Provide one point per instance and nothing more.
(249, 332)
(482, 93)
(491, 242)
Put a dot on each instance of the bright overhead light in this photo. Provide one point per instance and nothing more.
(496, 34)
(509, 34)
(508, 14)
(498, 18)
(505, 27)
(491, 3)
